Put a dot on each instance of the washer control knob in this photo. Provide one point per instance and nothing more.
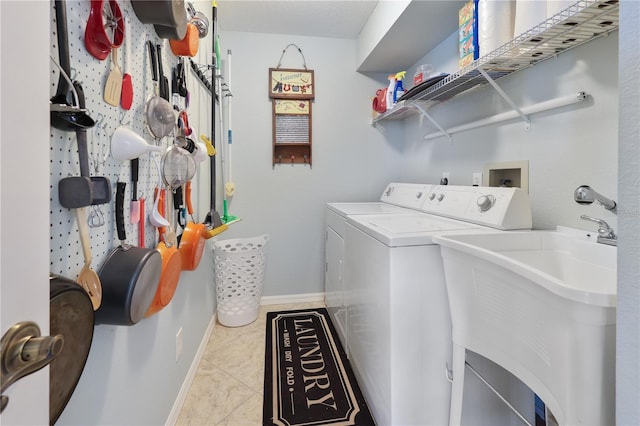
(485, 202)
(432, 196)
(440, 197)
(419, 195)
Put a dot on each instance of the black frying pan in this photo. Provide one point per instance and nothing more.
(129, 276)
(71, 315)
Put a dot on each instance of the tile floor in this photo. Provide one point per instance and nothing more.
(227, 388)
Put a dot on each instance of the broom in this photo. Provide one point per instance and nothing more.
(212, 219)
(227, 219)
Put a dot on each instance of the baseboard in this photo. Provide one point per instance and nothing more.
(193, 369)
(292, 298)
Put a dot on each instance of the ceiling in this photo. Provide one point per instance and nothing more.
(328, 18)
(421, 26)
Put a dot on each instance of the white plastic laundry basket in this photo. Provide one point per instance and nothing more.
(239, 266)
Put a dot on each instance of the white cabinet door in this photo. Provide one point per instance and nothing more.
(334, 247)
(334, 286)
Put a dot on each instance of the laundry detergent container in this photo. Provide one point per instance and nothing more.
(239, 266)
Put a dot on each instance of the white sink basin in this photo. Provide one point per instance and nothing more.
(542, 304)
(567, 262)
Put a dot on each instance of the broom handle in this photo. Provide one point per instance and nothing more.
(212, 159)
(229, 131)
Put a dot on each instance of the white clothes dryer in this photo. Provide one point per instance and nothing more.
(396, 198)
(398, 321)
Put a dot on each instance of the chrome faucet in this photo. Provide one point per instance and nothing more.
(606, 235)
(584, 194)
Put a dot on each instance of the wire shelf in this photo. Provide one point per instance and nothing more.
(578, 24)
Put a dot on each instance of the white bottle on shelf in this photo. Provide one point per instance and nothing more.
(390, 90)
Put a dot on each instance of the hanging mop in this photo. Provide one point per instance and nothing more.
(213, 220)
(229, 186)
(226, 217)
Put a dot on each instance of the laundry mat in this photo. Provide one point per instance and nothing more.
(308, 379)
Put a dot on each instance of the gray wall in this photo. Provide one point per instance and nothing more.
(351, 160)
(566, 147)
(628, 336)
(131, 375)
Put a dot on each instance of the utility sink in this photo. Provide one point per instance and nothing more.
(542, 304)
(567, 262)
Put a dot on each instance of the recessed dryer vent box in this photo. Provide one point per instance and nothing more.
(508, 173)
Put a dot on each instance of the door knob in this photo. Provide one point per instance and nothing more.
(24, 351)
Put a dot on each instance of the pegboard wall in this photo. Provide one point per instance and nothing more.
(65, 250)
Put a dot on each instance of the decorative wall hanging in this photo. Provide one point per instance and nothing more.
(291, 83)
(291, 91)
(291, 131)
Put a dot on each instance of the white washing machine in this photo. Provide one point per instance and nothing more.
(398, 321)
(395, 199)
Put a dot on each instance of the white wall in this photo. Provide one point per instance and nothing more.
(351, 161)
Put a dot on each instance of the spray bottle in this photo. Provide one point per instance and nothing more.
(390, 90)
(398, 90)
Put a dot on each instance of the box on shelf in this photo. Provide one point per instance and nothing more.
(468, 33)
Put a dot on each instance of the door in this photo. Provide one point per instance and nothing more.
(24, 190)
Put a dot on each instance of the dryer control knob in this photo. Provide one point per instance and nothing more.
(432, 196)
(440, 197)
(485, 202)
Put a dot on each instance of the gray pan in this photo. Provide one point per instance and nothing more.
(129, 277)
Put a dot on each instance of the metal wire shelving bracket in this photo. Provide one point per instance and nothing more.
(525, 118)
(426, 114)
(579, 23)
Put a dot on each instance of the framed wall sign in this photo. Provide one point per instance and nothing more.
(286, 83)
(291, 92)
